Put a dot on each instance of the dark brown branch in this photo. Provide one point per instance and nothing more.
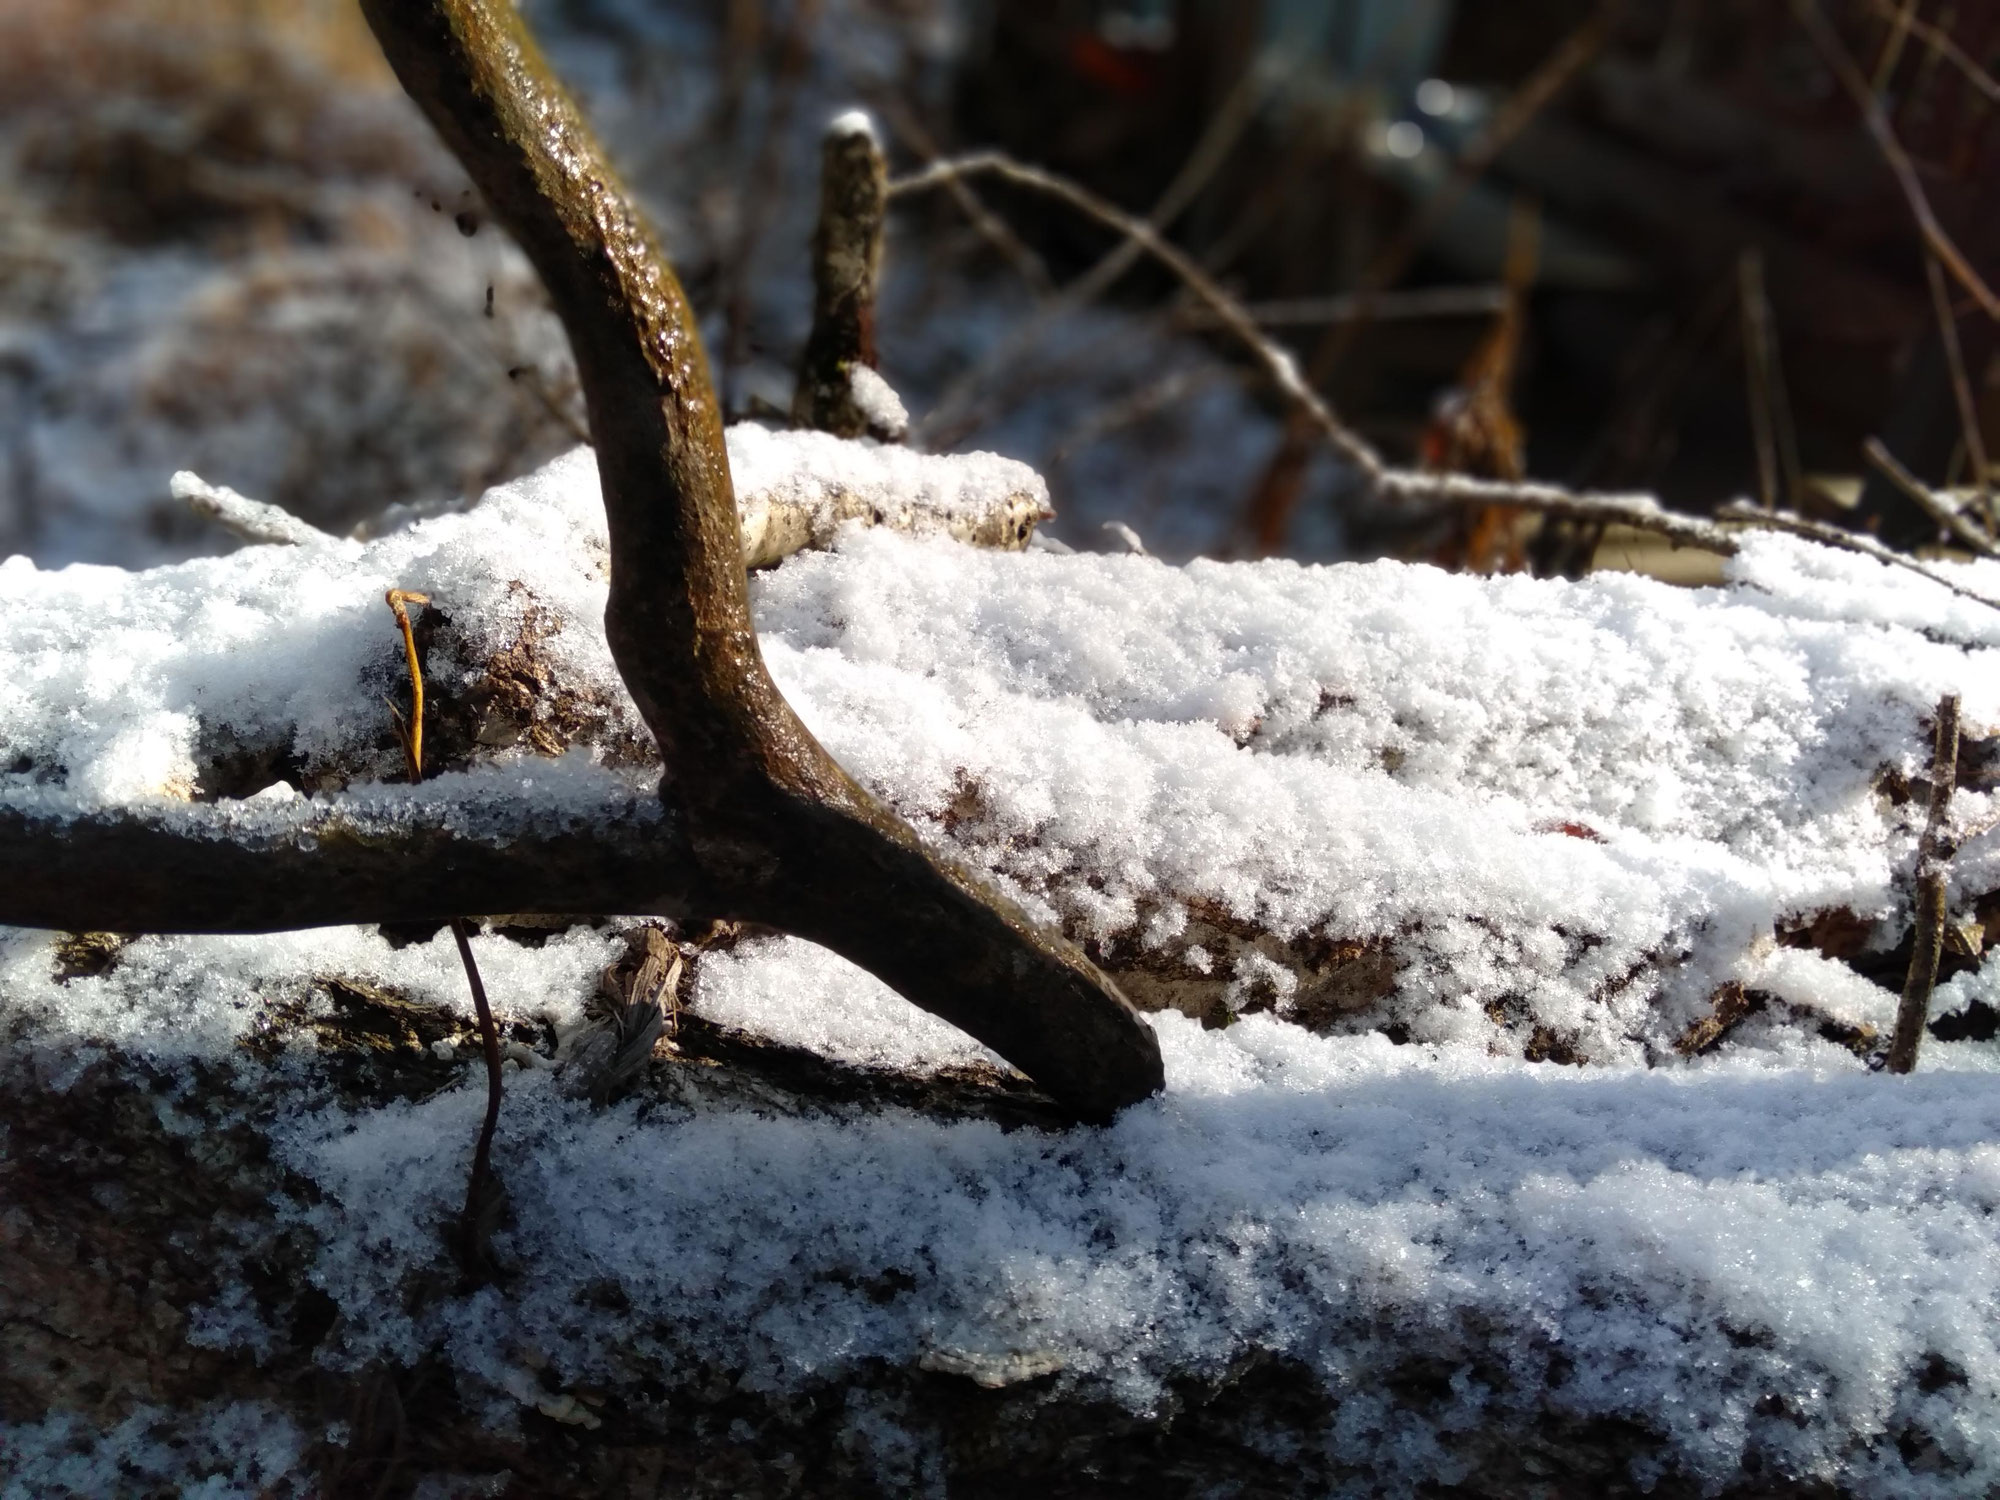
(847, 263)
(779, 833)
(388, 855)
(1933, 852)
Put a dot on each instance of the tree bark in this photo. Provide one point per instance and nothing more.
(770, 828)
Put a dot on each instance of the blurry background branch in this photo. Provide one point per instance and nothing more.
(1346, 173)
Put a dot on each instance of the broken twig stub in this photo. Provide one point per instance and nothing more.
(1933, 853)
(834, 393)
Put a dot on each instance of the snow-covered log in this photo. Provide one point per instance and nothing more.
(1385, 846)
(1378, 837)
(1546, 817)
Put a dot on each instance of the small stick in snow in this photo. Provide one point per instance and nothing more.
(484, 1197)
(847, 263)
(1928, 500)
(1933, 851)
(412, 732)
(1728, 1007)
(635, 997)
(253, 520)
(1847, 541)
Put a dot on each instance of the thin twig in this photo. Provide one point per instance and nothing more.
(1481, 301)
(1639, 511)
(1208, 154)
(483, 1196)
(1635, 510)
(1961, 388)
(1933, 505)
(1279, 365)
(1892, 44)
(989, 225)
(1770, 411)
(1933, 853)
(1849, 75)
(1940, 43)
(253, 520)
(1848, 541)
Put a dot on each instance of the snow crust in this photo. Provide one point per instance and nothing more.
(1532, 791)
(799, 467)
(1574, 807)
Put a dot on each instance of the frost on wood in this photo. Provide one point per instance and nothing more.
(252, 520)
(1392, 834)
(221, 677)
(793, 490)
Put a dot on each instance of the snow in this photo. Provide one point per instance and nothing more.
(878, 403)
(811, 469)
(1565, 808)
(852, 122)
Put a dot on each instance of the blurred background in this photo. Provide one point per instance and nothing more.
(1649, 244)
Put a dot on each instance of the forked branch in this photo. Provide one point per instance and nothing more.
(761, 824)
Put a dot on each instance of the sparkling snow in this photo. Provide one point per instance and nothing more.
(1570, 806)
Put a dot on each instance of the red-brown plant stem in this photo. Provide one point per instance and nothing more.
(489, 1038)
